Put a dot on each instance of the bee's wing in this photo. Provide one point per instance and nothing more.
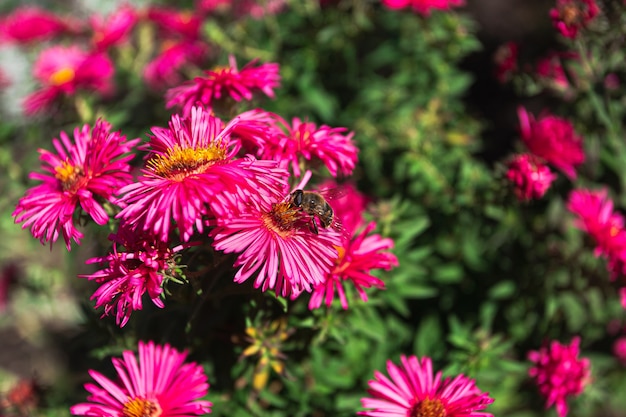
(332, 193)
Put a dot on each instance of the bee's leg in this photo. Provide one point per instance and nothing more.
(313, 226)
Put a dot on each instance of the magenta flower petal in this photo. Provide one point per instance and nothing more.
(559, 373)
(159, 383)
(411, 390)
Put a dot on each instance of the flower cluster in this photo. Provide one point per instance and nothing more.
(570, 16)
(158, 384)
(413, 390)
(559, 373)
(530, 178)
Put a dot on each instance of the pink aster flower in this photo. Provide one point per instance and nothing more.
(413, 390)
(191, 174)
(130, 273)
(553, 139)
(165, 69)
(114, 29)
(159, 384)
(63, 71)
(276, 245)
(221, 83)
(559, 373)
(596, 216)
(83, 173)
(530, 178)
(569, 16)
(357, 258)
(29, 24)
(423, 7)
(291, 143)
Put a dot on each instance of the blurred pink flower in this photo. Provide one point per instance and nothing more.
(114, 29)
(63, 71)
(559, 373)
(29, 24)
(597, 217)
(94, 167)
(176, 22)
(358, 256)
(130, 273)
(290, 143)
(505, 59)
(275, 244)
(208, 6)
(164, 70)
(619, 349)
(423, 7)
(159, 384)
(221, 83)
(531, 179)
(413, 390)
(569, 16)
(551, 72)
(553, 139)
(191, 173)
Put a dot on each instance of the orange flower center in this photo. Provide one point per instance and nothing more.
(179, 163)
(140, 407)
(281, 219)
(69, 176)
(62, 76)
(571, 14)
(428, 408)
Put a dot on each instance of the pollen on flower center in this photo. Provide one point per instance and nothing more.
(281, 219)
(428, 408)
(141, 407)
(179, 162)
(62, 76)
(69, 175)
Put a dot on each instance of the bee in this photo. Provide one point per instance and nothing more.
(315, 205)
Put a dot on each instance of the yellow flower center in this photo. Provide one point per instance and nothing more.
(140, 407)
(68, 175)
(179, 163)
(428, 408)
(62, 76)
(281, 219)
